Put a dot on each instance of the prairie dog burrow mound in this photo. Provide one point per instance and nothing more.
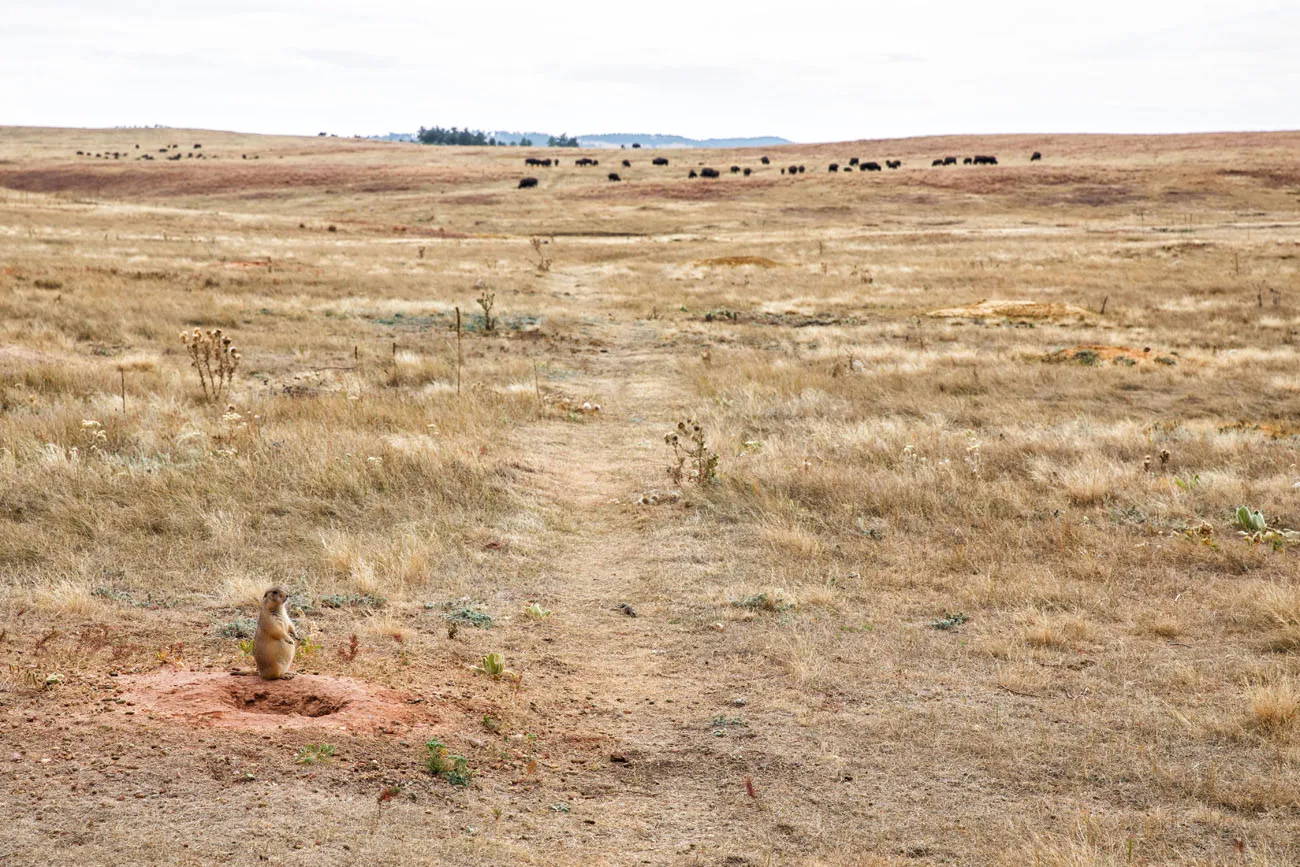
(226, 700)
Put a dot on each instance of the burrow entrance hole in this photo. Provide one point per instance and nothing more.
(257, 696)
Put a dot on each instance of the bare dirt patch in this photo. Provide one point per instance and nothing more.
(995, 309)
(245, 701)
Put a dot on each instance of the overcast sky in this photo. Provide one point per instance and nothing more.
(809, 71)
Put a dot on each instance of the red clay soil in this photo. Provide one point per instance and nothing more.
(246, 702)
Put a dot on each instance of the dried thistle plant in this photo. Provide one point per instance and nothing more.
(215, 358)
(543, 262)
(486, 301)
(692, 457)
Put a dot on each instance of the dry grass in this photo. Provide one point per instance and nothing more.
(894, 449)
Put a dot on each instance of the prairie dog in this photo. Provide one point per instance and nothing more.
(274, 643)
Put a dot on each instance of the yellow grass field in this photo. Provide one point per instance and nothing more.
(965, 585)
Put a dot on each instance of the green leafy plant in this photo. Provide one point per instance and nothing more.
(313, 753)
(774, 601)
(492, 664)
(537, 612)
(469, 615)
(246, 647)
(950, 620)
(693, 460)
(451, 767)
(1250, 521)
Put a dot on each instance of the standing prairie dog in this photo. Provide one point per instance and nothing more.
(274, 643)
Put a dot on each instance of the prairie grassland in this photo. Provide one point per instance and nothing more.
(968, 589)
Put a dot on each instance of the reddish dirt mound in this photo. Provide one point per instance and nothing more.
(1272, 429)
(247, 702)
(1093, 354)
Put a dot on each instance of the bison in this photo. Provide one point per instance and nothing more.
(871, 167)
(692, 174)
(659, 161)
(708, 173)
(614, 177)
(937, 163)
(627, 164)
(854, 161)
(748, 172)
(801, 170)
(1036, 157)
(735, 170)
(833, 167)
(950, 161)
(985, 161)
(526, 183)
(893, 164)
(765, 161)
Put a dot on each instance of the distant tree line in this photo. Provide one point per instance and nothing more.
(439, 136)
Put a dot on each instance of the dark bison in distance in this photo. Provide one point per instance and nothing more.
(765, 161)
(872, 166)
(1036, 157)
(659, 161)
(586, 161)
(627, 164)
(708, 173)
(534, 161)
(833, 167)
(525, 183)
(614, 177)
(985, 161)
(893, 164)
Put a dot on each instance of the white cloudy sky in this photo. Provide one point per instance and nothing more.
(810, 70)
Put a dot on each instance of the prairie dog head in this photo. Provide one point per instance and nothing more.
(273, 600)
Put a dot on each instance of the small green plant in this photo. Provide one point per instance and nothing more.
(1253, 527)
(436, 760)
(692, 458)
(491, 723)
(467, 614)
(246, 647)
(306, 645)
(1250, 521)
(451, 767)
(950, 620)
(352, 600)
(559, 807)
(492, 664)
(537, 612)
(240, 627)
(313, 753)
(774, 601)
(1188, 484)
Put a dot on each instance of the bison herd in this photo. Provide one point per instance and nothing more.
(706, 172)
(172, 150)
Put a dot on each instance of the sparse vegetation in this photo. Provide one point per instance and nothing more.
(1124, 680)
(693, 460)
